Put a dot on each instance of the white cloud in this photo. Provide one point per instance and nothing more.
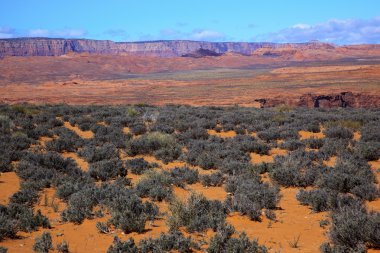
(6, 33)
(62, 33)
(207, 35)
(70, 33)
(301, 26)
(351, 31)
(174, 34)
(38, 33)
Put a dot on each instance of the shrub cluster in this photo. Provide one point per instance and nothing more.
(196, 214)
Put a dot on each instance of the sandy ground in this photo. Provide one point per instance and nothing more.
(293, 222)
(222, 134)
(84, 134)
(226, 80)
(9, 184)
(83, 164)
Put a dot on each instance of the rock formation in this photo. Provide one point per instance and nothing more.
(343, 99)
(57, 47)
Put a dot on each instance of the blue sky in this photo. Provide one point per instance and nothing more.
(336, 21)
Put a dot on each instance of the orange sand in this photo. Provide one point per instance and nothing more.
(257, 158)
(9, 184)
(331, 161)
(126, 130)
(322, 69)
(213, 193)
(293, 220)
(357, 136)
(83, 134)
(222, 134)
(80, 161)
(307, 135)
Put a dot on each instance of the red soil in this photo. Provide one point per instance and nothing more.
(83, 134)
(293, 220)
(9, 184)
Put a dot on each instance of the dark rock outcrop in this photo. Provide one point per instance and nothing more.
(56, 47)
(201, 53)
(343, 99)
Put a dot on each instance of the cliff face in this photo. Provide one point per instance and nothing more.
(56, 47)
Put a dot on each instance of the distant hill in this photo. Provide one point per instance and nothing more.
(172, 48)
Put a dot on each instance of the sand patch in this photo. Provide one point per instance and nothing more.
(293, 220)
(9, 184)
(301, 70)
(222, 134)
(44, 139)
(258, 159)
(80, 161)
(83, 134)
(308, 135)
(50, 206)
(126, 130)
(211, 193)
(330, 162)
(357, 136)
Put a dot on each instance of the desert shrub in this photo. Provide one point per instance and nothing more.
(236, 167)
(168, 154)
(338, 132)
(317, 199)
(213, 179)
(183, 175)
(118, 246)
(353, 227)
(43, 243)
(223, 241)
(239, 130)
(17, 217)
(138, 166)
(149, 143)
(314, 143)
(26, 197)
(107, 169)
(155, 185)
(249, 144)
(269, 134)
(106, 135)
(291, 144)
(371, 132)
(8, 226)
(207, 161)
(129, 221)
(193, 134)
(270, 214)
(79, 207)
(128, 211)
(66, 141)
(369, 150)
(96, 154)
(138, 129)
(6, 124)
(3, 249)
(63, 247)
(173, 241)
(351, 174)
(313, 127)
(347, 123)
(163, 146)
(249, 195)
(296, 169)
(196, 214)
(333, 147)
